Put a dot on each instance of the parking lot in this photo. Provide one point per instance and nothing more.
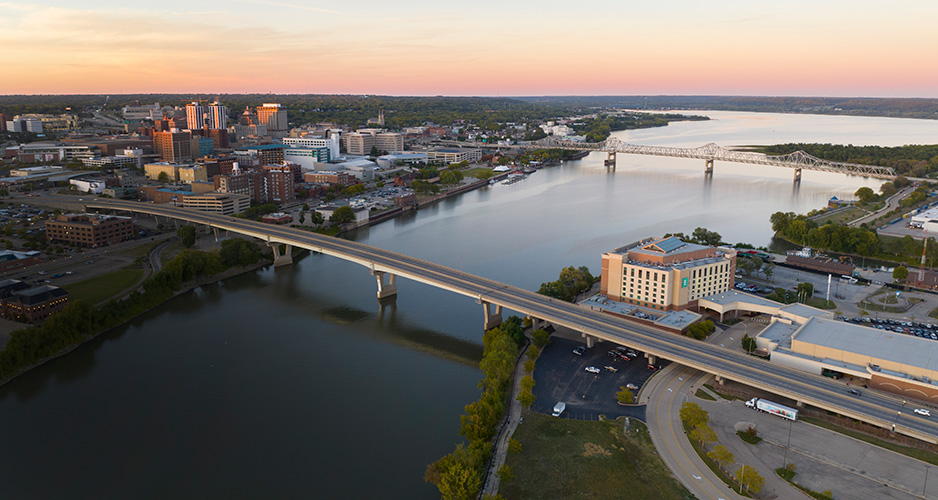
(561, 375)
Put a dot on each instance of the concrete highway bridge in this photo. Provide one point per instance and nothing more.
(494, 296)
(799, 160)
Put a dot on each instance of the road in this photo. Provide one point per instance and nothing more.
(664, 394)
(891, 203)
(797, 385)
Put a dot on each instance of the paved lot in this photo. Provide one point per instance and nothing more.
(561, 376)
(824, 459)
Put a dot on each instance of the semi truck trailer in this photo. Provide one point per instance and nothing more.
(773, 408)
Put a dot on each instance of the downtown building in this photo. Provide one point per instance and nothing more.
(89, 230)
(274, 117)
(666, 273)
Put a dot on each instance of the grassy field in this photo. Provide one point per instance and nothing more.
(841, 217)
(704, 395)
(103, 287)
(564, 458)
(478, 172)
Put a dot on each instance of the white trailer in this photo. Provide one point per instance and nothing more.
(773, 408)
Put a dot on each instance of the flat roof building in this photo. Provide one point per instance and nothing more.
(219, 203)
(666, 273)
(89, 230)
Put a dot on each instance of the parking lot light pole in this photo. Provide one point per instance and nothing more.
(785, 460)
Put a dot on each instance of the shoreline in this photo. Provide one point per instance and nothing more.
(188, 287)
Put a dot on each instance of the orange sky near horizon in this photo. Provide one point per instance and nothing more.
(418, 47)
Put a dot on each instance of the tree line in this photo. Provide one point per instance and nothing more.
(572, 282)
(459, 475)
(79, 321)
(910, 160)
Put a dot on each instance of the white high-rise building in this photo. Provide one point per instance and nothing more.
(332, 143)
(218, 115)
(195, 115)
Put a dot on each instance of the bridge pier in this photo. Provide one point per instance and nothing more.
(651, 358)
(708, 167)
(590, 340)
(538, 324)
(492, 315)
(798, 174)
(610, 160)
(720, 380)
(388, 289)
(284, 259)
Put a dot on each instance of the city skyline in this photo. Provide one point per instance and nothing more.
(417, 47)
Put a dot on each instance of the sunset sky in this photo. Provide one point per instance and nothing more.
(477, 47)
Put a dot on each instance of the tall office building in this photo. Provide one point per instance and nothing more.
(275, 117)
(195, 115)
(218, 115)
(173, 146)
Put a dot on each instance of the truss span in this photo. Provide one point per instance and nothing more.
(797, 160)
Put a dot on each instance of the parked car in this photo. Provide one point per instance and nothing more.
(592, 369)
(579, 351)
(611, 368)
(631, 387)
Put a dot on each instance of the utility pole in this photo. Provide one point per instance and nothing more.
(921, 267)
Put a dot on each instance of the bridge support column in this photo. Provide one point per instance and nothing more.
(720, 380)
(611, 160)
(215, 231)
(492, 314)
(799, 404)
(651, 358)
(388, 289)
(708, 167)
(284, 259)
(538, 324)
(798, 174)
(590, 340)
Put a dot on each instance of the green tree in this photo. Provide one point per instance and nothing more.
(316, 217)
(526, 398)
(693, 415)
(750, 478)
(342, 215)
(866, 195)
(703, 434)
(187, 235)
(704, 237)
(805, 290)
(505, 473)
(540, 337)
(163, 177)
(625, 396)
(721, 456)
(781, 220)
(768, 269)
(749, 343)
(302, 218)
(572, 281)
(514, 446)
(900, 273)
(529, 365)
(460, 482)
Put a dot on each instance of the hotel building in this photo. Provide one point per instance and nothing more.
(666, 273)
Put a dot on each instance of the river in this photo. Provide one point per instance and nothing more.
(295, 383)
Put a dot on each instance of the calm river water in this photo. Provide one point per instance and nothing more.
(295, 383)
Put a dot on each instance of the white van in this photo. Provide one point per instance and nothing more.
(559, 408)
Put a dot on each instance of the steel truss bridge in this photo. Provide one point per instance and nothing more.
(799, 160)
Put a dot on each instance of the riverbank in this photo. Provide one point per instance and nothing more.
(186, 287)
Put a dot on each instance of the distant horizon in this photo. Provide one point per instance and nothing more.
(776, 96)
(489, 48)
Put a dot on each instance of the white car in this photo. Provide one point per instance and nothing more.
(923, 412)
(592, 369)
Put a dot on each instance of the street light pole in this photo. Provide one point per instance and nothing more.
(785, 460)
